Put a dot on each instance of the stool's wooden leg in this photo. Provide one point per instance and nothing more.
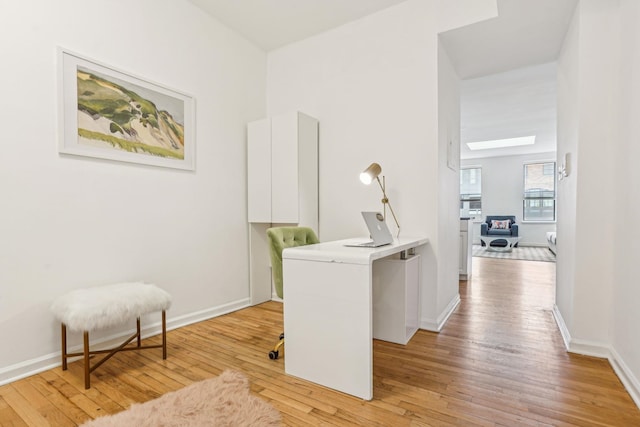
(138, 329)
(63, 335)
(87, 383)
(164, 334)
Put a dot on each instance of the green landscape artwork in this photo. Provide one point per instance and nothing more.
(120, 115)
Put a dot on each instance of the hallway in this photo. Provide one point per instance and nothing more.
(502, 357)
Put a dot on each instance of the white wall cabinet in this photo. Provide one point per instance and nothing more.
(282, 168)
(282, 186)
(466, 248)
(259, 171)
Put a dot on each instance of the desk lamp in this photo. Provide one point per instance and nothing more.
(373, 171)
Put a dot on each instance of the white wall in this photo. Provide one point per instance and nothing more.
(502, 190)
(626, 292)
(448, 182)
(71, 222)
(373, 85)
(597, 103)
(599, 62)
(597, 292)
(568, 121)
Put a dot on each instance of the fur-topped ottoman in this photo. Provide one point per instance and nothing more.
(101, 307)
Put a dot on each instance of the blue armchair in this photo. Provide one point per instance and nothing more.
(487, 230)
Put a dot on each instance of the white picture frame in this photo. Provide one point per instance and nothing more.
(111, 114)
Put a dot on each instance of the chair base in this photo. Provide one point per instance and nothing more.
(273, 354)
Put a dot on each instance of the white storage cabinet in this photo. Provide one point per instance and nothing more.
(282, 186)
(396, 299)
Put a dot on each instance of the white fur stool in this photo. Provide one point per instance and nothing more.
(105, 306)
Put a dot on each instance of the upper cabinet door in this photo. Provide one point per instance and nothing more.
(308, 171)
(284, 172)
(259, 171)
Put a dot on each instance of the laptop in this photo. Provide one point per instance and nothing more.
(378, 230)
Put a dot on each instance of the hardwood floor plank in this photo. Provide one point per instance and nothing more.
(294, 403)
(26, 411)
(292, 393)
(43, 404)
(499, 361)
(9, 417)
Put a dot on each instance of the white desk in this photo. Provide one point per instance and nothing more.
(328, 312)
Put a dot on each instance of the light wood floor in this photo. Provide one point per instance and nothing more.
(499, 361)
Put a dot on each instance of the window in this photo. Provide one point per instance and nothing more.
(470, 192)
(539, 202)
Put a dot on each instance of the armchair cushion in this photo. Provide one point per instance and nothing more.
(494, 232)
(500, 225)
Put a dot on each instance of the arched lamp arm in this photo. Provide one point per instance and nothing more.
(385, 203)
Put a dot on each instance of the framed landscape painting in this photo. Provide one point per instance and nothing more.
(110, 114)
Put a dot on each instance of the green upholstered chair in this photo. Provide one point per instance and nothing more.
(281, 238)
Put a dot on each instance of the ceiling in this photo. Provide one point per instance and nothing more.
(525, 32)
(505, 92)
(271, 24)
(512, 104)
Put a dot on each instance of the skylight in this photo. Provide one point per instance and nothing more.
(502, 143)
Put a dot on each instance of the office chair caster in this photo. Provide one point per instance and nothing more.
(273, 354)
(281, 336)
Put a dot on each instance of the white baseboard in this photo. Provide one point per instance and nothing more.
(48, 361)
(28, 367)
(627, 378)
(436, 325)
(590, 348)
(604, 351)
(566, 336)
(209, 313)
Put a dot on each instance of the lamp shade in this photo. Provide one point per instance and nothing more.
(370, 173)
